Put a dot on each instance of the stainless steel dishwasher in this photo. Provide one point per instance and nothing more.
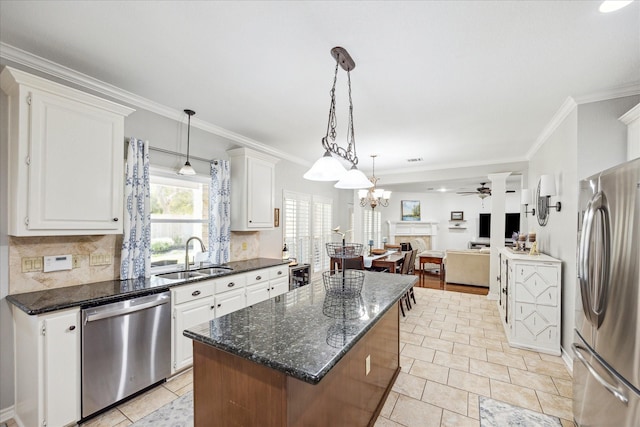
(126, 347)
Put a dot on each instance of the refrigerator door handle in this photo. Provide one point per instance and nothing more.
(594, 305)
(616, 391)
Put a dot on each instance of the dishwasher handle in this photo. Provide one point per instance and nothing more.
(127, 309)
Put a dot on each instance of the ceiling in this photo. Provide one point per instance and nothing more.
(468, 85)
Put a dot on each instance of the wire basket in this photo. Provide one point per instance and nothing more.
(341, 333)
(345, 308)
(344, 283)
(344, 250)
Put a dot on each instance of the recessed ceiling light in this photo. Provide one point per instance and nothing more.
(613, 5)
(442, 190)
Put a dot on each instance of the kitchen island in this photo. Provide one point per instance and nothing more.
(301, 359)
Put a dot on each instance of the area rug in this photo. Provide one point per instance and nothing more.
(494, 413)
(178, 413)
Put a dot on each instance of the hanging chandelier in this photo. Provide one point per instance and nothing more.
(374, 196)
(328, 168)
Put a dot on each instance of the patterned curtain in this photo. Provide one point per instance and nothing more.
(136, 243)
(219, 213)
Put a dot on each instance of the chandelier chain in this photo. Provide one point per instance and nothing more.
(349, 153)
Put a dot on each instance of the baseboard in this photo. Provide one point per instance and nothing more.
(568, 360)
(6, 414)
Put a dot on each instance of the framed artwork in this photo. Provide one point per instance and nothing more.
(276, 217)
(457, 216)
(410, 210)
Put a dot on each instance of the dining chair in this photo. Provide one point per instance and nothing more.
(356, 263)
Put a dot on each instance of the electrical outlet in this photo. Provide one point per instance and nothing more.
(100, 259)
(367, 364)
(75, 261)
(244, 246)
(31, 264)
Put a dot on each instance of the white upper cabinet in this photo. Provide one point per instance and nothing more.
(252, 190)
(66, 159)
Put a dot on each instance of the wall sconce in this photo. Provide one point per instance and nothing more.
(546, 189)
(525, 199)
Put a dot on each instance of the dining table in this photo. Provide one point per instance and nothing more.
(391, 261)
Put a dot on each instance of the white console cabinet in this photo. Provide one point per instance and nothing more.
(252, 190)
(529, 303)
(47, 351)
(66, 159)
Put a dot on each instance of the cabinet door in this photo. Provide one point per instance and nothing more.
(186, 316)
(76, 166)
(260, 181)
(279, 287)
(228, 302)
(62, 368)
(258, 292)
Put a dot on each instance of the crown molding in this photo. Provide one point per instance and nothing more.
(27, 59)
(565, 109)
(603, 95)
(631, 115)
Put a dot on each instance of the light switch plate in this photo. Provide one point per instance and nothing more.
(57, 263)
(31, 264)
(100, 259)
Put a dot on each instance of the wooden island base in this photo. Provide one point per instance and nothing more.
(232, 391)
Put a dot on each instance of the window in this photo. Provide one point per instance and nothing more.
(322, 232)
(297, 225)
(179, 210)
(307, 225)
(372, 227)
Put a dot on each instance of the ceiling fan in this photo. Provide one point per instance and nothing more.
(481, 191)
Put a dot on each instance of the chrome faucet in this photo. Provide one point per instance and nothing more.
(186, 256)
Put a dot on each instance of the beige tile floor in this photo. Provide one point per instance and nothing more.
(453, 350)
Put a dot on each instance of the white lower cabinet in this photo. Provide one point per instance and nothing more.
(192, 305)
(267, 283)
(530, 304)
(229, 302)
(47, 351)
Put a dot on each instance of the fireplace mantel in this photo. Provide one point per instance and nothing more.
(413, 228)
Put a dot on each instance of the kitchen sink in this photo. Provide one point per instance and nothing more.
(183, 275)
(215, 271)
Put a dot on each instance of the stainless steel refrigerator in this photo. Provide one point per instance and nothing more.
(606, 348)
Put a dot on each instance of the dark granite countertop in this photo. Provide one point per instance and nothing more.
(93, 294)
(305, 332)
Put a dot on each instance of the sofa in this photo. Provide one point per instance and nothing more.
(467, 267)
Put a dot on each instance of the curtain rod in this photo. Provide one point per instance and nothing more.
(162, 150)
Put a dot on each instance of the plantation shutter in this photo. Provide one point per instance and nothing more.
(322, 226)
(297, 225)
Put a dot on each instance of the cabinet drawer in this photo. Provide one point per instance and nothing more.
(237, 281)
(229, 302)
(193, 292)
(257, 276)
(278, 272)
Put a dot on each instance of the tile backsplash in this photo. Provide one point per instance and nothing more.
(78, 246)
(244, 245)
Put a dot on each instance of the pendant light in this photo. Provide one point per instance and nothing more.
(328, 168)
(187, 169)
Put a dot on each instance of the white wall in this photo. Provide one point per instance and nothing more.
(438, 207)
(6, 322)
(289, 178)
(589, 139)
(602, 141)
(558, 156)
